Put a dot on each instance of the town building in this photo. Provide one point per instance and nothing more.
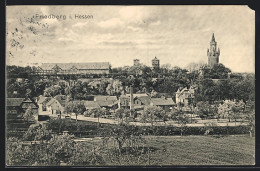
(90, 105)
(56, 104)
(166, 104)
(138, 101)
(73, 68)
(42, 101)
(107, 102)
(213, 53)
(156, 63)
(183, 95)
(16, 106)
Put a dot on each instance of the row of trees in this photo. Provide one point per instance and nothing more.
(167, 81)
(240, 88)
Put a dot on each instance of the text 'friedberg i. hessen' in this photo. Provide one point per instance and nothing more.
(63, 17)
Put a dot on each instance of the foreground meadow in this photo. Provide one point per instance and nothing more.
(183, 150)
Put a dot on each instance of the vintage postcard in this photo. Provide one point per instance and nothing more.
(144, 85)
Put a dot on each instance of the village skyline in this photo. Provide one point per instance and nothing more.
(105, 86)
(120, 34)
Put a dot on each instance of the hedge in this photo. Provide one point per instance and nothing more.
(216, 130)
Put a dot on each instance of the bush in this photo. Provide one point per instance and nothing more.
(170, 130)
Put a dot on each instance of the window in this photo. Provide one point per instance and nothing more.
(12, 111)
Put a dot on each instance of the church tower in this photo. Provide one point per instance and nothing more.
(213, 53)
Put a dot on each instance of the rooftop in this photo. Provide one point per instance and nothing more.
(68, 66)
(14, 101)
(162, 101)
(91, 105)
(105, 98)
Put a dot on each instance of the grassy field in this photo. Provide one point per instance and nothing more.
(194, 150)
(203, 150)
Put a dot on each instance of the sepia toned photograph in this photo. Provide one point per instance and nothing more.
(130, 85)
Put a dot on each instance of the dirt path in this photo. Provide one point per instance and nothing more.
(172, 123)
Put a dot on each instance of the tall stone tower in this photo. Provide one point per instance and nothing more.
(156, 63)
(136, 62)
(213, 53)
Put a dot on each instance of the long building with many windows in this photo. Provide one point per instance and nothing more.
(73, 68)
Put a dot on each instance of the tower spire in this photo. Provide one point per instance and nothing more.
(213, 38)
(213, 53)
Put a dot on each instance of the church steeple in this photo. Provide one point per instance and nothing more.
(213, 38)
(213, 53)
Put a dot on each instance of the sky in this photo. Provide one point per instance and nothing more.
(176, 35)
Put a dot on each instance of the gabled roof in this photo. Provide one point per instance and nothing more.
(105, 98)
(162, 101)
(185, 90)
(61, 99)
(68, 66)
(21, 102)
(145, 100)
(26, 105)
(15, 102)
(136, 95)
(56, 106)
(107, 103)
(91, 105)
(51, 101)
(43, 99)
(28, 100)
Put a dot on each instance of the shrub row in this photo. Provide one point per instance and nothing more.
(216, 130)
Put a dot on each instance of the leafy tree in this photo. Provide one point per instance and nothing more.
(121, 133)
(16, 153)
(28, 114)
(114, 88)
(250, 116)
(52, 91)
(151, 114)
(219, 71)
(205, 91)
(62, 147)
(237, 110)
(182, 121)
(37, 132)
(98, 113)
(77, 107)
(83, 155)
(174, 114)
(231, 109)
(245, 89)
(122, 115)
(205, 110)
